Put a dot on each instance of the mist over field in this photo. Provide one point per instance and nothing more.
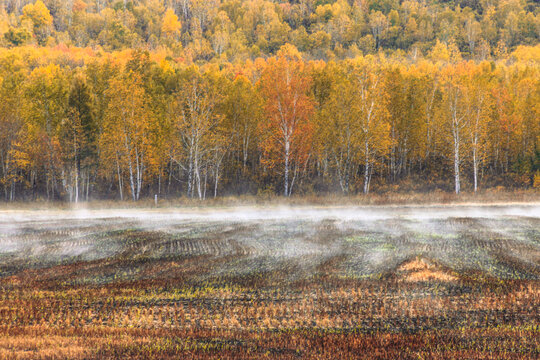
(369, 241)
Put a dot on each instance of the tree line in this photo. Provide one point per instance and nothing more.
(77, 124)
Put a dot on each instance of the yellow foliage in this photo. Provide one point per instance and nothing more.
(38, 13)
(439, 52)
(536, 183)
(4, 27)
(289, 52)
(527, 53)
(171, 25)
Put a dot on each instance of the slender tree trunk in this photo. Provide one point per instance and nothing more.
(12, 191)
(132, 181)
(366, 168)
(475, 155)
(87, 185)
(286, 175)
(393, 167)
(456, 135)
(76, 187)
(4, 174)
(216, 182)
(507, 152)
(456, 166)
(139, 169)
(295, 173)
(190, 172)
(205, 182)
(130, 168)
(475, 170)
(119, 177)
(159, 181)
(198, 178)
(245, 148)
(170, 178)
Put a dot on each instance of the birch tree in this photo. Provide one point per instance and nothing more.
(371, 113)
(125, 138)
(287, 130)
(478, 98)
(456, 116)
(194, 117)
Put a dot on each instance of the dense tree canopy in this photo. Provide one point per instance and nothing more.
(203, 98)
(235, 30)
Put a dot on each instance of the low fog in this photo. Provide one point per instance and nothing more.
(314, 213)
(367, 240)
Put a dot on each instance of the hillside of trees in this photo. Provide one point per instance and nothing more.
(237, 30)
(124, 100)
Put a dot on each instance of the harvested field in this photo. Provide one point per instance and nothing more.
(289, 283)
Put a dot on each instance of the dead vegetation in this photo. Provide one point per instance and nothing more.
(488, 196)
(286, 289)
(420, 270)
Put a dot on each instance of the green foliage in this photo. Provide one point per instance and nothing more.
(17, 36)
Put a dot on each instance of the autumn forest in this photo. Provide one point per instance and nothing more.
(127, 100)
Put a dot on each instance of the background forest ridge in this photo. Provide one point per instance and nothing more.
(205, 98)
